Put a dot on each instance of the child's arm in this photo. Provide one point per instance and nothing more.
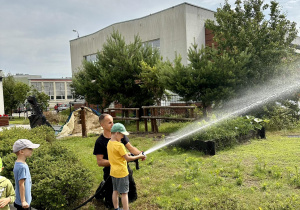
(22, 193)
(129, 158)
(10, 193)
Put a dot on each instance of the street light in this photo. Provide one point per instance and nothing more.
(76, 32)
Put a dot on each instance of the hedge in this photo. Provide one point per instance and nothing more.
(59, 181)
(226, 134)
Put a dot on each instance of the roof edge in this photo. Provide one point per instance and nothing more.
(184, 3)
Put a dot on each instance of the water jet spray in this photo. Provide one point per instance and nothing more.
(257, 97)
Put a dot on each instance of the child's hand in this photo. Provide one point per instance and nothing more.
(25, 205)
(142, 156)
(4, 202)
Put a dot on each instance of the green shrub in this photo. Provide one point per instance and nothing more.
(227, 133)
(63, 182)
(59, 181)
(282, 118)
(38, 135)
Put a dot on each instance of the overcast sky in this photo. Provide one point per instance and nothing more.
(35, 34)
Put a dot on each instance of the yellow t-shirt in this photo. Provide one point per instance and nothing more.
(118, 165)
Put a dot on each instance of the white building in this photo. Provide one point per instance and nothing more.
(58, 89)
(171, 30)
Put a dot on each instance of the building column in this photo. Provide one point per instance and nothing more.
(54, 91)
(66, 91)
(1, 96)
(4, 120)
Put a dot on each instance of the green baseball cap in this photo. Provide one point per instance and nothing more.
(119, 127)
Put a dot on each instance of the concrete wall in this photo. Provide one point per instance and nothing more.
(195, 24)
(176, 27)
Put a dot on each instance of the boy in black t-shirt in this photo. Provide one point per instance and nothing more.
(100, 150)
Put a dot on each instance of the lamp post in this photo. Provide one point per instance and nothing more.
(76, 32)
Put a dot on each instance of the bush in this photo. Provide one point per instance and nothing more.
(59, 181)
(282, 118)
(38, 135)
(63, 182)
(228, 133)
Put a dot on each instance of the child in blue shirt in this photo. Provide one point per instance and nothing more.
(23, 148)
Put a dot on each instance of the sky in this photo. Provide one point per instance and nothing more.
(35, 35)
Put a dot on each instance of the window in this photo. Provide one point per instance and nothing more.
(69, 91)
(91, 58)
(155, 44)
(49, 89)
(37, 86)
(60, 90)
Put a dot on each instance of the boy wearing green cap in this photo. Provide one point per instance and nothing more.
(118, 158)
(7, 192)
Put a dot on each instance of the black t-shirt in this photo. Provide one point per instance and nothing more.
(101, 147)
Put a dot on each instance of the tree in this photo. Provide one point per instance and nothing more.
(41, 98)
(120, 67)
(267, 40)
(84, 84)
(150, 80)
(112, 77)
(15, 93)
(209, 78)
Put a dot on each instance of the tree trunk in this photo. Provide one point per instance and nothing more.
(204, 111)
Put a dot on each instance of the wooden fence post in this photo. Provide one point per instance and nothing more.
(145, 120)
(137, 115)
(83, 125)
(152, 120)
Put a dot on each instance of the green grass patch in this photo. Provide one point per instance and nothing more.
(163, 127)
(261, 174)
(19, 121)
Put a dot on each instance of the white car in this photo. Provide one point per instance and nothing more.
(63, 107)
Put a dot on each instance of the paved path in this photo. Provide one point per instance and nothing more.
(56, 127)
(12, 126)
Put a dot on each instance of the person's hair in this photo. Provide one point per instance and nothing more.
(102, 116)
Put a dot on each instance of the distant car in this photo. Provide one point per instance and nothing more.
(20, 109)
(63, 107)
(56, 106)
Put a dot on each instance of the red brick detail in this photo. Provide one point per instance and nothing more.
(4, 121)
(209, 38)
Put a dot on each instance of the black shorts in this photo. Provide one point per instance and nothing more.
(20, 207)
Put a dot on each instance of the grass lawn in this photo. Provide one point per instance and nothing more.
(18, 121)
(261, 174)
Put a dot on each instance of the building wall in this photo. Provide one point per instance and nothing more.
(25, 78)
(195, 25)
(50, 87)
(176, 28)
